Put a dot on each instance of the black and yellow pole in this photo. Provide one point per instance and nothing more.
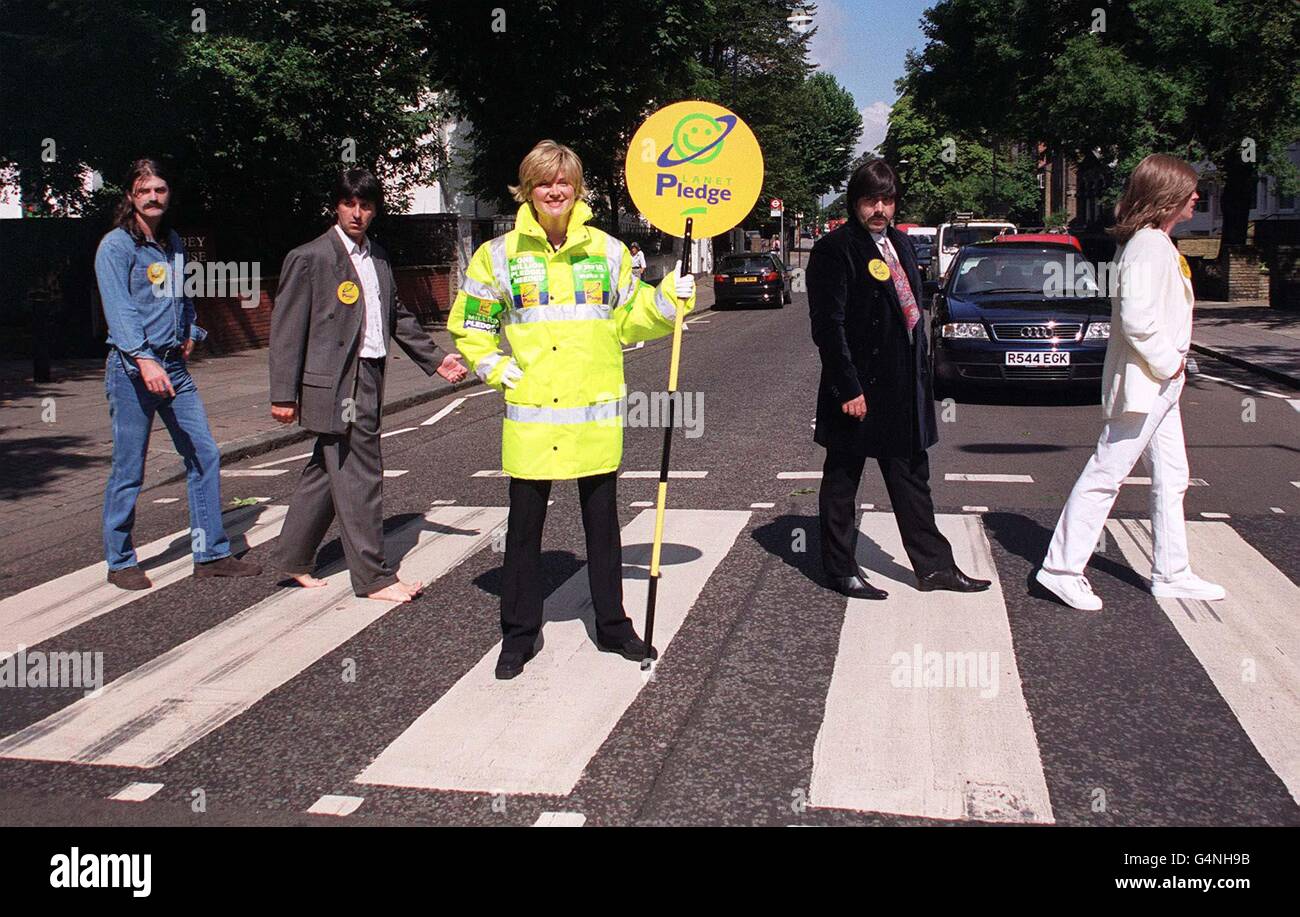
(661, 502)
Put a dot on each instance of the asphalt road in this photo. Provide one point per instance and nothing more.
(1125, 716)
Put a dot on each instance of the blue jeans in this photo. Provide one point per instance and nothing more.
(131, 407)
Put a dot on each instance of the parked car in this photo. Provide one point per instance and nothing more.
(952, 236)
(1019, 313)
(750, 277)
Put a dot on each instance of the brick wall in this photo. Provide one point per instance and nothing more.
(426, 290)
(1245, 280)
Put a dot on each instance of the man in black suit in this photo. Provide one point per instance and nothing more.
(336, 312)
(875, 397)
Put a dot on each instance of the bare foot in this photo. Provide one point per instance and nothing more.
(307, 581)
(393, 593)
(413, 589)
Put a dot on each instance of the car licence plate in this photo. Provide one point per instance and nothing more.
(746, 280)
(1038, 358)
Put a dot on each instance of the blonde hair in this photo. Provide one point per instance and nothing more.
(540, 166)
(1157, 190)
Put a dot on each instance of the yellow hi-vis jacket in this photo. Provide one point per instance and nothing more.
(567, 315)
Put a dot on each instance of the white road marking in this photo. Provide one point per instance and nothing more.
(443, 503)
(445, 411)
(1143, 481)
(671, 474)
(336, 805)
(1243, 387)
(799, 476)
(1248, 643)
(395, 432)
(762, 505)
(136, 792)
(991, 478)
(488, 474)
(252, 472)
(395, 472)
(154, 712)
(44, 611)
(486, 391)
(1215, 516)
(974, 509)
(1294, 402)
(537, 733)
(867, 506)
(167, 500)
(560, 820)
(292, 458)
(637, 504)
(947, 751)
(1277, 509)
(637, 346)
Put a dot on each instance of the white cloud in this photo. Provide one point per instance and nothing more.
(875, 124)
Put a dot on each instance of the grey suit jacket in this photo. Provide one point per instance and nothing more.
(315, 336)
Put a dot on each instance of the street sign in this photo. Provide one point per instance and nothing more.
(694, 159)
(778, 206)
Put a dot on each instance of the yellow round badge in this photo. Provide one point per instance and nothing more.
(878, 269)
(694, 159)
(348, 292)
(156, 272)
(1184, 266)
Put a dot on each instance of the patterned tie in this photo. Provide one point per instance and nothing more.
(905, 297)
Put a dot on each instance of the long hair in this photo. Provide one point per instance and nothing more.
(1157, 190)
(124, 215)
(875, 178)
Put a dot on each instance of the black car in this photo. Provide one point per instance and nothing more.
(753, 277)
(924, 255)
(1026, 314)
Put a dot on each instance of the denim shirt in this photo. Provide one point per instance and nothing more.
(142, 323)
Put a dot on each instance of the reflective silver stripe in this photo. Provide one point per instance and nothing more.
(666, 308)
(484, 367)
(501, 270)
(573, 313)
(479, 290)
(528, 414)
(614, 258)
(625, 296)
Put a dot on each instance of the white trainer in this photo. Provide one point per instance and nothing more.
(1074, 591)
(1188, 586)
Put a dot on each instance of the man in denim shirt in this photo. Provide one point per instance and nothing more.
(151, 332)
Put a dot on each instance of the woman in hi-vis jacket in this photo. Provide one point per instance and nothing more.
(565, 295)
(1150, 334)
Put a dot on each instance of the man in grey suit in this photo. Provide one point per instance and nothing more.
(335, 312)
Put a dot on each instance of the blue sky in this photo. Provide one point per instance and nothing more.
(862, 43)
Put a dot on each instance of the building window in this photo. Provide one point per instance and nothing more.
(1204, 190)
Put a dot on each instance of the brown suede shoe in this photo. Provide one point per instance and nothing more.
(227, 566)
(129, 578)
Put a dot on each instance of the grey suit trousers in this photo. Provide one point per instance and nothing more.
(345, 476)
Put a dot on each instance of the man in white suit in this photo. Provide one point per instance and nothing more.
(1151, 332)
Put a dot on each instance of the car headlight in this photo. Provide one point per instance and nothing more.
(966, 330)
(1098, 331)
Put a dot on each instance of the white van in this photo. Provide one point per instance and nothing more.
(952, 236)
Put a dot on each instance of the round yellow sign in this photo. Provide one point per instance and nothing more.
(348, 292)
(694, 159)
(1184, 266)
(156, 272)
(878, 269)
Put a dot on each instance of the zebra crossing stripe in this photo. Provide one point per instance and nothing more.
(537, 733)
(925, 715)
(53, 607)
(1248, 643)
(151, 714)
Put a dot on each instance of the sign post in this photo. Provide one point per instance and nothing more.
(695, 168)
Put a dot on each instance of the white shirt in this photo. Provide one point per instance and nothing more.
(886, 249)
(638, 261)
(372, 333)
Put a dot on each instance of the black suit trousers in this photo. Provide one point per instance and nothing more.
(521, 590)
(908, 482)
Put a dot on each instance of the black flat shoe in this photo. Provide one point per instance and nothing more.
(855, 587)
(633, 648)
(951, 580)
(511, 664)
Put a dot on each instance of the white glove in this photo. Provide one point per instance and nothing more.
(511, 375)
(683, 286)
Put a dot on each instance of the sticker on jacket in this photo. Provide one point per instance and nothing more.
(528, 281)
(481, 315)
(156, 272)
(591, 281)
(878, 269)
(348, 292)
(1184, 266)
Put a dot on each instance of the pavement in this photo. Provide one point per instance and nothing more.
(775, 701)
(1251, 335)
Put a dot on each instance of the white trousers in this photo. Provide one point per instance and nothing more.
(1156, 437)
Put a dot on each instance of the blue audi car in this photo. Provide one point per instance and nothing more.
(1022, 312)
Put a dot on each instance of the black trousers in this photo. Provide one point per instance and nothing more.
(521, 590)
(345, 476)
(908, 483)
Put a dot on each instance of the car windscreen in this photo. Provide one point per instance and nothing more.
(746, 264)
(1046, 273)
(921, 238)
(954, 237)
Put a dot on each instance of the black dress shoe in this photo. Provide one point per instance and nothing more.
(632, 648)
(511, 664)
(855, 587)
(951, 580)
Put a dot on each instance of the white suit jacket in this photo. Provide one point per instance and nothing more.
(1150, 323)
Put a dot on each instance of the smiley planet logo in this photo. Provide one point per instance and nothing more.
(694, 159)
